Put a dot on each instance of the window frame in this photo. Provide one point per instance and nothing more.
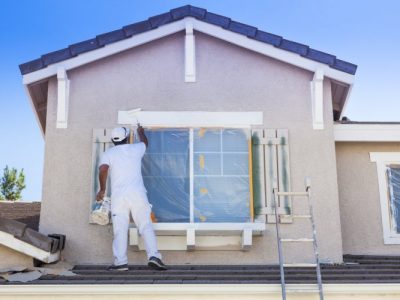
(383, 160)
(192, 175)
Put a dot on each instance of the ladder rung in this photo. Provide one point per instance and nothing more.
(300, 265)
(301, 216)
(300, 194)
(298, 240)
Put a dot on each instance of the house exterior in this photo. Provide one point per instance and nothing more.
(231, 113)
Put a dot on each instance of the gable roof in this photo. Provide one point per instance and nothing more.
(178, 14)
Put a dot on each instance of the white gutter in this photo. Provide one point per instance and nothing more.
(248, 290)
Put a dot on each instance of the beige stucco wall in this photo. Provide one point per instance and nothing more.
(360, 209)
(151, 76)
(10, 258)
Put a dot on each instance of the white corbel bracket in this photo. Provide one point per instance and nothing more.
(317, 99)
(190, 58)
(62, 98)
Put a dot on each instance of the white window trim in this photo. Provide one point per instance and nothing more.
(383, 159)
(185, 119)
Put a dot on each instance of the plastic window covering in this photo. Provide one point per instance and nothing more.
(165, 170)
(393, 174)
(220, 174)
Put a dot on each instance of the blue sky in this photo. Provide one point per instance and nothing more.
(362, 32)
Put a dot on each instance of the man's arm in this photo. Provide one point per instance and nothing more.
(142, 136)
(103, 173)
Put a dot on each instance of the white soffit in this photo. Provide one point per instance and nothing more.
(209, 29)
(366, 132)
(191, 118)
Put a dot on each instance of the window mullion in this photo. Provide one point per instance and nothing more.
(191, 175)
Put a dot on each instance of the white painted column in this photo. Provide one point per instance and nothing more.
(62, 98)
(190, 59)
(317, 98)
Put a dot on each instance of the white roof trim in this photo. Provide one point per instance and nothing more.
(213, 30)
(248, 290)
(366, 132)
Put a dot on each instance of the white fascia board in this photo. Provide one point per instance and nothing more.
(271, 51)
(105, 51)
(10, 241)
(31, 101)
(209, 29)
(248, 290)
(366, 132)
(191, 118)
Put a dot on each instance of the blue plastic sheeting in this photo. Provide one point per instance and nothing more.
(165, 171)
(393, 173)
(220, 174)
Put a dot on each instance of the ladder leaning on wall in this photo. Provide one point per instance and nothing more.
(281, 241)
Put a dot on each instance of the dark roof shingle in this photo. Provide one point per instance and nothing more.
(177, 14)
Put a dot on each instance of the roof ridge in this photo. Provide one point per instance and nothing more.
(177, 14)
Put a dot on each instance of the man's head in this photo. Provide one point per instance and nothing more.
(119, 135)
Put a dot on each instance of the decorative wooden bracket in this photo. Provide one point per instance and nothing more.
(317, 97)
(190, 58)
(62, 98)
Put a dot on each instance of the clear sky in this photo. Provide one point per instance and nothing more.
(366, 33)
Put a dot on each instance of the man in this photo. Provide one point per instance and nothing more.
(128, 195)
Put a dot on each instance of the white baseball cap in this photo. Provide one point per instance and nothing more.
(118, 134)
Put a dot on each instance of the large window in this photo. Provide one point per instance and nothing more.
(198, 175)
(388, 167)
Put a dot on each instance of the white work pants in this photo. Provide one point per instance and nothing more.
(139, 207)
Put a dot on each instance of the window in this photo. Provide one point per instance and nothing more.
(388, 167)
(198, 174)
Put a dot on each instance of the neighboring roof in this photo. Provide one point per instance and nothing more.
(356, 269)
(177, 14)
(25, 212)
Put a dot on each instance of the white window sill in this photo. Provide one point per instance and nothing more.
(200, 236)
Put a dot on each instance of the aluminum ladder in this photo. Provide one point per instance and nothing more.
(310, 216)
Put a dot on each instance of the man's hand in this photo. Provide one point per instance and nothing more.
(140, 129)
(142, 136)
(100, 195)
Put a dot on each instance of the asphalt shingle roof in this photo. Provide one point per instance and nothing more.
(355, 269)
(177, 14)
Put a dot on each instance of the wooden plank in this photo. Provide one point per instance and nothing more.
(284, 173)
(10, 241)
(258, 174)
(271, 173)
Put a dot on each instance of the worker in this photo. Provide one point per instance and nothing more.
(128, 195)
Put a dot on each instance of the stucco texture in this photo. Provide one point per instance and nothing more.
(360, 209)
(151, 76)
